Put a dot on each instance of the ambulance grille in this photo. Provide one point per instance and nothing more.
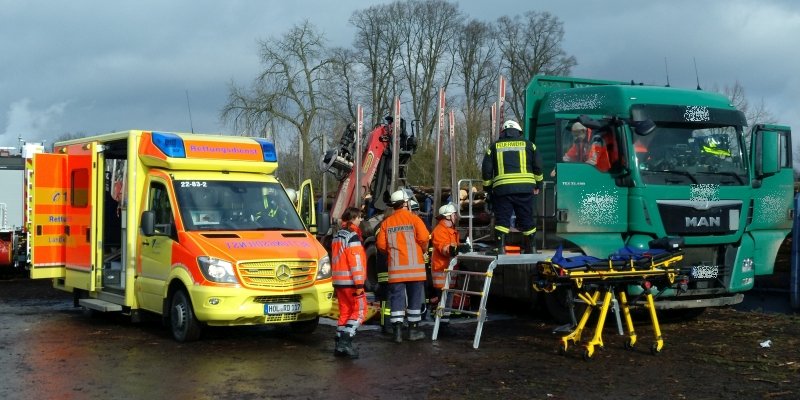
(282, 274)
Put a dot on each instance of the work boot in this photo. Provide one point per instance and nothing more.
(529, 244)
(339, 350)
(349, 350)
(414, 333)
(398, 332)
(501, 243)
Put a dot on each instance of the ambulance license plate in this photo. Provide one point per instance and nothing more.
(281, 308)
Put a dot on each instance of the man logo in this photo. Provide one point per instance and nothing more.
(283, 272)
(697, 222)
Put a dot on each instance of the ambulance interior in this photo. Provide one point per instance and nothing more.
(114, 204)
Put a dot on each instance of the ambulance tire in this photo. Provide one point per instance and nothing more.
(183, 323)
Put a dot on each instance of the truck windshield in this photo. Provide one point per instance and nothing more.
(235, 206)
(681, 153)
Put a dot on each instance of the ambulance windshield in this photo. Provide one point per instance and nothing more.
(207, 205)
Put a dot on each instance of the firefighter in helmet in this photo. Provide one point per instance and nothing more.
(512, 175)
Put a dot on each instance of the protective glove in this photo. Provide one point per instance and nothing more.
(453, 251)
(488, 202)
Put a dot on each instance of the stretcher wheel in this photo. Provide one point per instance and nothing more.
(562, 347)
(655, 349)
(629, 344)
(587, 355)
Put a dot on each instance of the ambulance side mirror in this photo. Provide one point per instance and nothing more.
(148, 223)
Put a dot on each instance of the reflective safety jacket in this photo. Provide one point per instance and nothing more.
(348, 259)
(511, 165)
(404, 238)
(444, 237)
(603, 152)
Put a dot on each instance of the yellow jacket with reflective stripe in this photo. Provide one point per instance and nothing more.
(511, 165)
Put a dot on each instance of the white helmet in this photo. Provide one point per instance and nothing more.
(413, 205)
(447, 210)
(398, 196)
(511, 124)
(292, 195)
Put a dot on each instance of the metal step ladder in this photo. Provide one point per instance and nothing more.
(453, 286)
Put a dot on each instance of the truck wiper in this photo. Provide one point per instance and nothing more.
(681, 173)
(725, 173)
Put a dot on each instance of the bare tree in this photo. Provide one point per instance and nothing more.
(478, 70)
(288, 90)
(377, 47)
(341, 88)
(428, 54)
(531, 45)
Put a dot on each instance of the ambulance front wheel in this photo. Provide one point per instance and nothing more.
(183, 322)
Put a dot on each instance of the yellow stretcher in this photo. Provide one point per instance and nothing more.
(597, 281)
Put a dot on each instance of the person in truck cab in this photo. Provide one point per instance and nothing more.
(595, 148)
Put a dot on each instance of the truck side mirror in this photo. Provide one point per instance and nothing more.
(767, 148)
(323, 222)
(148, 223)
(644, 128)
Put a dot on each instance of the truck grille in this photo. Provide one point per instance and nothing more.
(283, 274)
(700, 218)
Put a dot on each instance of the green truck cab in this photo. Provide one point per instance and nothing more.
(685, 167)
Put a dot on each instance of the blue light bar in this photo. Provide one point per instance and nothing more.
(170, 144)
(270, 155)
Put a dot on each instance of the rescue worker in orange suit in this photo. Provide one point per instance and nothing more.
(512, 176)
(444, 240)
(349, 265)
(404, 238)
(599, 150)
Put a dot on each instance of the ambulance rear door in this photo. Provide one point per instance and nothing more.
(82, 232)
(46, 214)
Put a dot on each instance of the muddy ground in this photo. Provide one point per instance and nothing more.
(50, 350)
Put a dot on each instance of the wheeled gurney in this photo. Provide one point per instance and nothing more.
(598, 280)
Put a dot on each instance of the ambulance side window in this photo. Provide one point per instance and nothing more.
(161, 207)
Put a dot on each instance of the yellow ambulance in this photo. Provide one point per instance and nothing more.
(195, 228)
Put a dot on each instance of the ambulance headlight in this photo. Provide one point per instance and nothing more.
(216, 270)
(324, 268)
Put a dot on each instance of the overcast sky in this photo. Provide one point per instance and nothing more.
(101, 66)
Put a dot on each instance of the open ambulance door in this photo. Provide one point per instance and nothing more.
(84, 187)
(306, 207)
(46, 207)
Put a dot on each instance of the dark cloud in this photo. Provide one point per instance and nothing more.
(99, 66)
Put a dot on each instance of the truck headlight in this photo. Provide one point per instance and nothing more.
(324, 268)
(747, 265)
(216, 270)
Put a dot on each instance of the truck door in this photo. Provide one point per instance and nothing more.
(591, 209)
(84, 185)
(46, 208)
(773, 190)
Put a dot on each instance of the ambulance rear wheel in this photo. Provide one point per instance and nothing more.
(184, 324)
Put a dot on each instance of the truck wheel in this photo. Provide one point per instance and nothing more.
(304, 327)
(558, 307)
(184, 324)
